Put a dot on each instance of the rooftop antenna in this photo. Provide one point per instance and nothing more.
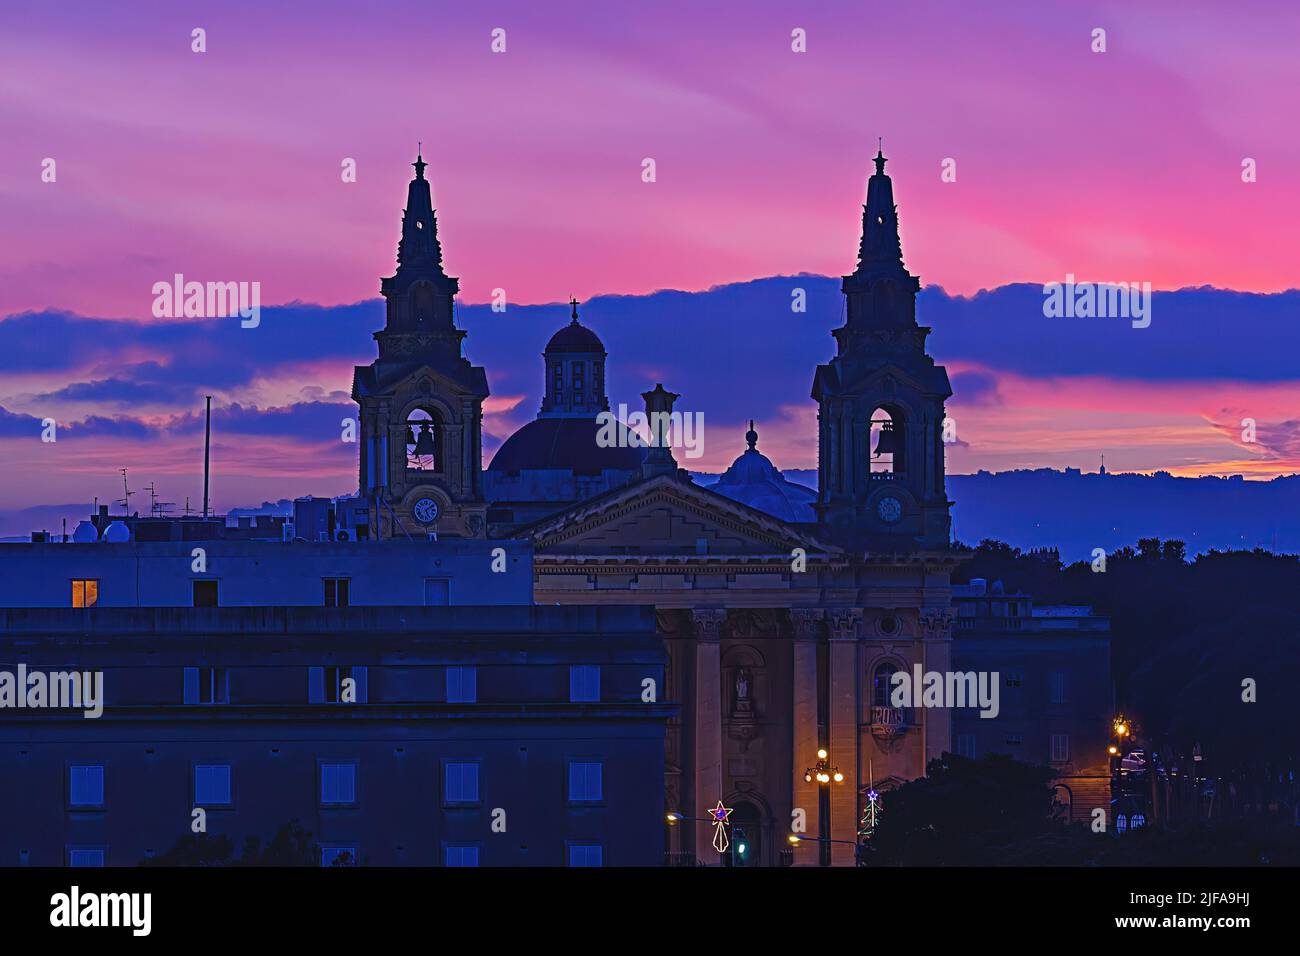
(127, 493)
(207, 455)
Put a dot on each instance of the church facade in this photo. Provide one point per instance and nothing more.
(785, 611)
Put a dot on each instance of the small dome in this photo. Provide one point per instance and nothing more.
(575, 337)
(85, 533)
(569, 444)
(753, 480)
(117, 533)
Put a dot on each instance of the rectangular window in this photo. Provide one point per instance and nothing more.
(86, 856)
(86, 786)
(966, 746)
(212, 785)
(85, 592)
(461, 854)
(460, 783)
(207, 685)
(1014, 678)
(336, 592)
(585, 781)
(584, 684)
(338, 784)
(1058, 687)
(437, 592)
(462, 685)
(334, 678)
(338, 856)
(586, 854)
(1060, 748)
(1014, 740)
(205, 593)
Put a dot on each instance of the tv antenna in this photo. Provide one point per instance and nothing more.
(125, 500)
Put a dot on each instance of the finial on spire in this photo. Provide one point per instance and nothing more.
(880, 156)
(751, 437)
(419, 163)
(574, 302)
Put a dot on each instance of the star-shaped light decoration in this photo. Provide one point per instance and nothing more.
(871, 816)
(720, 815)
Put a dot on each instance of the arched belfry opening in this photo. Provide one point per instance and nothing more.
(424, 440)
(888, 457)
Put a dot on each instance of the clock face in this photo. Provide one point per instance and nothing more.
(889, 508)
(425, 511)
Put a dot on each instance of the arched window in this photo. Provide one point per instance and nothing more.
(882, 684)
(887, 443)
(424, 440)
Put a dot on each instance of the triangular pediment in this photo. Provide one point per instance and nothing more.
(668, 517)
(426, 378)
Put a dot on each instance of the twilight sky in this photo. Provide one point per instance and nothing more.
(225, 165)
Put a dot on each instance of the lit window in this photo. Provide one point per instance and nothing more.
(461, 854)
(584, 684)
(338, 784)
(585, 781)
(460, 783)
(86, 786)
(212, 785)
(85, 592)
(586, 854)
(462, 685)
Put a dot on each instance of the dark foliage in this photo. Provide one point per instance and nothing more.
(1184, 635)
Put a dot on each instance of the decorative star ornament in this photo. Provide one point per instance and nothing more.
(720, 815)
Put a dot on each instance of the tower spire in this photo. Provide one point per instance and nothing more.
(419, 163)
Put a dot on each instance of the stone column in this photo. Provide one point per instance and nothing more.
(708, 728)
(807, 623)
(936, 655)
(845, 631)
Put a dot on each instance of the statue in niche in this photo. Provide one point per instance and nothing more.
(744, 688)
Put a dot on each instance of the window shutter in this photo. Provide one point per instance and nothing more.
(315, 685)
(191, 685)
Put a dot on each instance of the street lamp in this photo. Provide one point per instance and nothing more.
(822, 771)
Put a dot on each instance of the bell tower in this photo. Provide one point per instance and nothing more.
(421, 400)
(880, 401)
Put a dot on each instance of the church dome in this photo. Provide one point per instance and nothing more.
(575, 338)
(567, 444)
(753, 480)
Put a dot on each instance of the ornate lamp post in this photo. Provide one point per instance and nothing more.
(825, 774)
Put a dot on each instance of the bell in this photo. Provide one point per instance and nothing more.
(424, 444)
(410, 435)
(889, 442)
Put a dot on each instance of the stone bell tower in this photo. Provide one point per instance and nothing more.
(421, 400)
(880, 439)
